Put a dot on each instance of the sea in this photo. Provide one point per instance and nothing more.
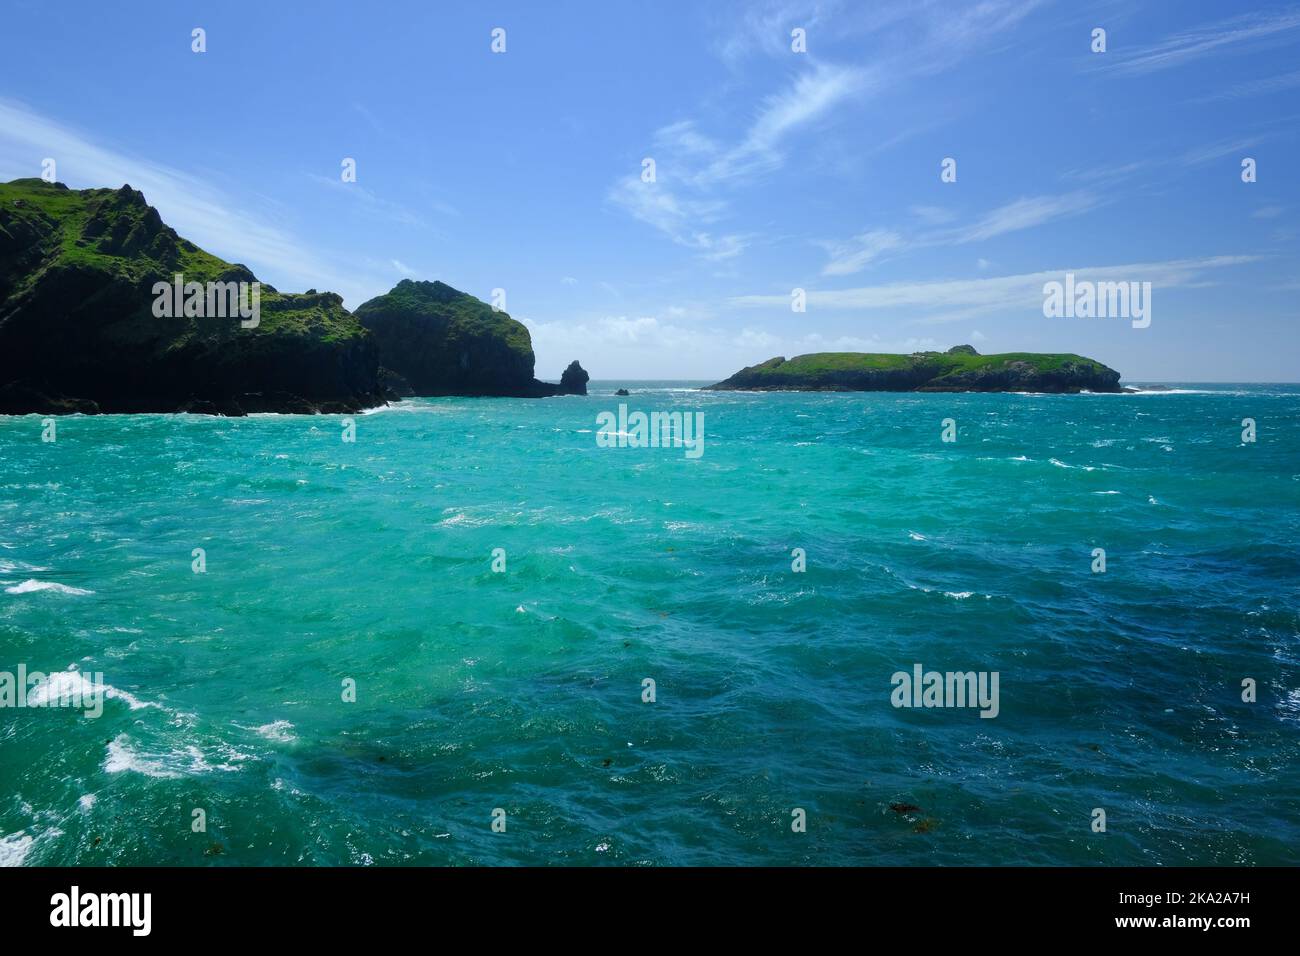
(479, 632)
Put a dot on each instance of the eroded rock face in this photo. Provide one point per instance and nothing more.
(446, 342)
(78, 331)
(442, 341)
(574, 380)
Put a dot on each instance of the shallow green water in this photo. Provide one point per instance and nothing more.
(522, 690)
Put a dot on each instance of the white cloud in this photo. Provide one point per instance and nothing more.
(1201, 155)
(954, 300)
(681, 219)
(848, 257)
(1025, 214)
(369, 203)
(933, 215)
(624, 347)
(1237, 32)
(1253, 88)
(195, 208)
(812, 96)
(854, 255)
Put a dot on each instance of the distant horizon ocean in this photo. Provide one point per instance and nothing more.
(496, 590)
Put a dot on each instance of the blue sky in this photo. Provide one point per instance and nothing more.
(775, 170)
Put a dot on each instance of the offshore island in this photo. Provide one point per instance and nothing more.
(960, 369)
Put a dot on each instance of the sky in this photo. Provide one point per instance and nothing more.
(774, 169)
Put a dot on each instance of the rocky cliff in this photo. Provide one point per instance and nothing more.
(80, 330)
(446, 342)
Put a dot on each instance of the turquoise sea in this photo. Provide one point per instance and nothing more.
(522, 690)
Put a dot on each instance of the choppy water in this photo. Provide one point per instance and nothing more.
(522, 691)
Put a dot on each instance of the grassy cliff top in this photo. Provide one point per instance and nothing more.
(816, 363)
(48, 230)
(440, 304)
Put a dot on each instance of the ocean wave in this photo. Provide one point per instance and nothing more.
(32, 585)
(461, 518)
(14, 848)
(189, 760)
(72, 685)
(280, 731)
(9, 567)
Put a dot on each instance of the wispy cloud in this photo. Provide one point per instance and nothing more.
(917, 42)
(764, 27)
(197, 209)
(955, 300)
(368, 203)
(812, 95)
(1200, 155)
(853, 255)
(1025, 214)
(1232, 35)
(625, 345)
(681, 219)
(1253, 88)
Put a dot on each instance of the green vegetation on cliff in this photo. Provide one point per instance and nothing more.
(442, 341)
(78, 332)
(960, 369)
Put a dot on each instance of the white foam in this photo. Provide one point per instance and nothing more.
(189, 760)
(72, 685)
(281, 731)
(121, 758)
(33, 585)
(14, 848)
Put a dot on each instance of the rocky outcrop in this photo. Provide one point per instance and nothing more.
(960, 369)
(442, 341)
(78, 329)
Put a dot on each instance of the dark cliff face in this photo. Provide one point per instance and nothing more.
(960, 369)
(446, 342)
(441, 341)
(78, 330)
